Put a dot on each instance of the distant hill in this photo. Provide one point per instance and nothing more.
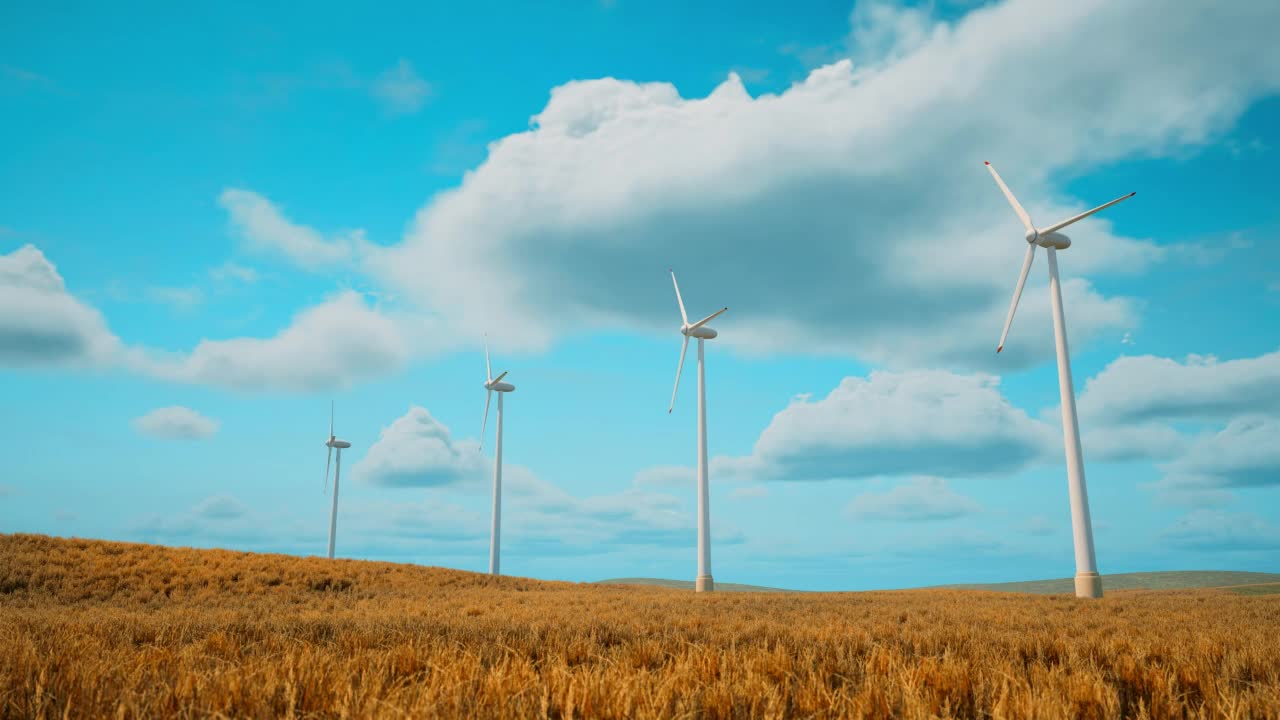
(1244, 583)
(689, 585)
(1168, 580)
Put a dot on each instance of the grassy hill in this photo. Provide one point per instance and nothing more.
(689, 585)
(1168, 580)
(102, 629)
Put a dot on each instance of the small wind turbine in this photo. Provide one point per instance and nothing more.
(698, 330)
(1088, 582)
(332, 443)
(494, 384)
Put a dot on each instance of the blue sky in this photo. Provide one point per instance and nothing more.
(213, 224)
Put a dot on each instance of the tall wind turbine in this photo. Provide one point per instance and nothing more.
(1088, 582)
(494, 384)
(698, 330)
(332, 443)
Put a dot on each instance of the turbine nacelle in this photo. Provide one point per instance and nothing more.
(702, 333)
(1055, 240)
(340, 444)
(499, 386)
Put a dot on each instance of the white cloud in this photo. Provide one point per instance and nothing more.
(789, 209)
(1218, 531)
(230, 271)
(220, 507)
(417, 450)
(181, 298)
(41, 324)
(1041, 525)
(926, 422)
(920, 499)
(176, 423)
(400, 90)
(264, 227)
(1246, 453)
(749, 492)
(1147, 388)
(331, 345)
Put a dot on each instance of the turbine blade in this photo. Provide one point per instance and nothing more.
(1083, 215)
(707, 319)
(499, 378)
(488, 371)
(679, 368)
(330, 419)
(326, 470)
(680, 300)
(1017, 206)
(483, 426)
(1017, 293)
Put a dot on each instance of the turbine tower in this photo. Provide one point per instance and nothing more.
(1088, 582)
(494, 384)
(699, 330)
(332, 443)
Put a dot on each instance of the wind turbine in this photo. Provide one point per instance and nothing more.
(699, 330)
(1088, 582)
(332, 443)
(494, 384)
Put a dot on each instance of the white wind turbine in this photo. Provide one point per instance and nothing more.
(1088, 582)
(494, 384)
(332, 443)
(699, 330)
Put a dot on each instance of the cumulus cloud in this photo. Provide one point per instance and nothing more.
(400, 90)
(264, 227)
(176, 423)
(849, 213)
(920, 499)
(924, 422)
(220, 507)
(1216, 531)
(41, 324)
(417, 450)
(1146, 388)
(1246, 453)
(331, 345)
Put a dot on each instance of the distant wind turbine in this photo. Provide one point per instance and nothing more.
(494, 384)
(1088, 582)
(332, 443)
(699, 330)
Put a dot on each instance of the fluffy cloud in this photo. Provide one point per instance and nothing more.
(920, 499)
(41, 324)
(918, 422)
(1216, 531)
(400, 90)
(264, 227)
(331, 345)
(416, 450)
(176, 423)
(850, 213)
(1140, 389)
(1246, 453)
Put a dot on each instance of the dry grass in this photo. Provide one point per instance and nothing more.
(97, 629)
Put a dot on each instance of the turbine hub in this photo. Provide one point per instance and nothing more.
(1031, 236)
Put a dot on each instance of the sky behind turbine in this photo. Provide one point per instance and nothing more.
(216, 221)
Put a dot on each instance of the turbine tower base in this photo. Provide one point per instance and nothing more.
(705, 583)
(1088, 585)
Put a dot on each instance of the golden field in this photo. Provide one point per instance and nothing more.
(100, 629)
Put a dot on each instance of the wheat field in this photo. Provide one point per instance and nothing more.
(101, 629)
